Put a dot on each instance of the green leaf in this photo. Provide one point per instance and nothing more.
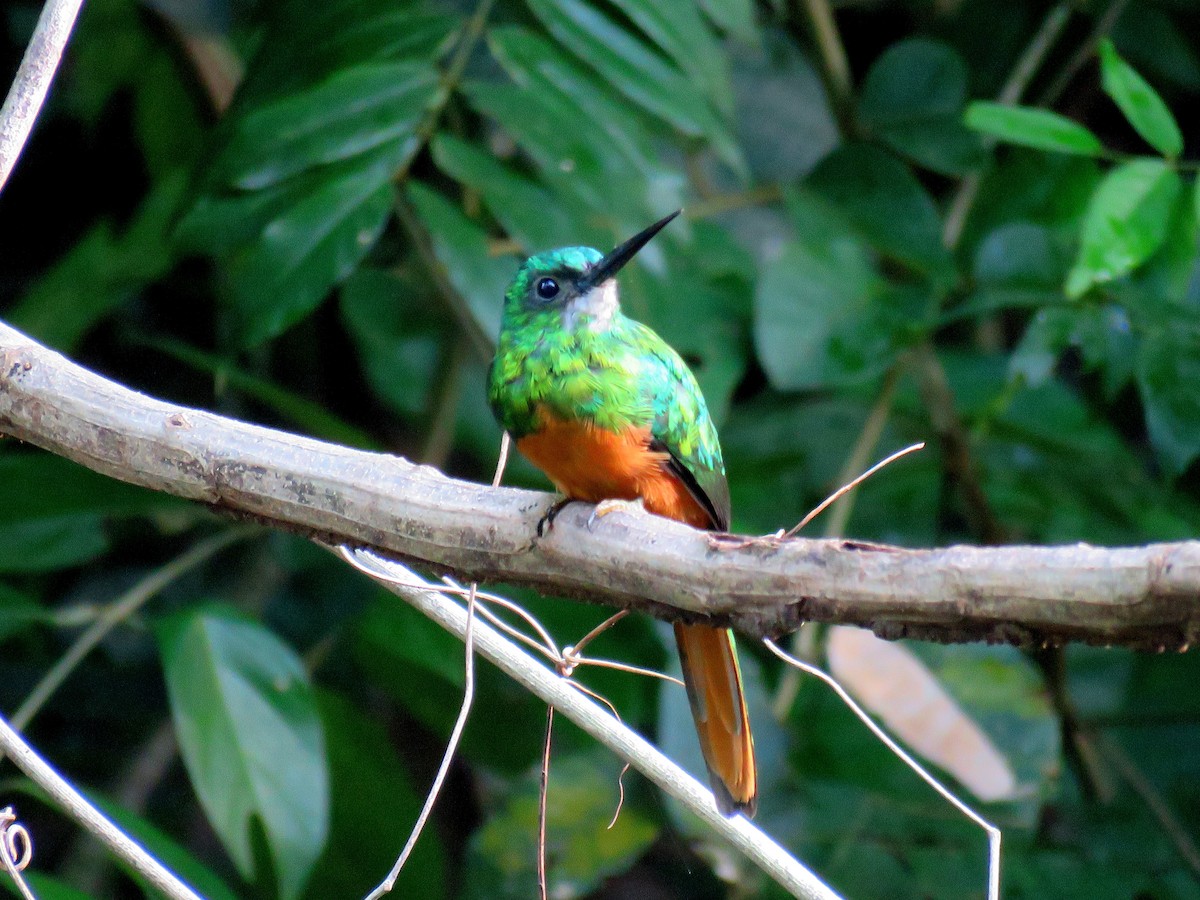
(879, 195)
(591, 147)
(374, 806)
(581, 799)
(314, 418)
(635, 70)
(462, 249)
(1140, 103)
(737, 17)
(1126, 222)
(913, 97)
(814, 322)
(401, 333)
(307, 248)
(530, 213)
(62, 523)
(1030, 127)
(250, 737)
(354, 111)
(1168, 369)
(166, 851)
(101, 273)
(685, 37)
(16, 612)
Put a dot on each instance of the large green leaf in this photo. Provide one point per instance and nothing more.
(1126, 222)
(1029, 127)
(1139, 102)
(1168, 369)
(352, 112)
(101, 273)
(168, 852)
(529, 212)
(682, 33)
(635, 70)
(591, 147)
(879, 195)
(16, 612)
(374, 807)
(315, 242)
(462, 249)
(63, 522)
(912, 99)
(815, 322)
(401, 334)
(581, 850)
(251, 738)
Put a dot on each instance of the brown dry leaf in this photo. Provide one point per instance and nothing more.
(890, 681)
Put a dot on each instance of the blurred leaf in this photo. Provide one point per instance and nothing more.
(44, 887)
(62, 521)
(912, 99)
(530, 213)
(462, 249)
(814, 315)
(735, 16)
(590, 145)
(881, 198)
(1030, 127)
(1126, 222)
(311, 245)
(685, 37)
(305, 44)
(1168, 366)
(312, 417)
(374, 806)
(581, 850)
(16, 612)
(1139, 102)
(354, 111)
(635, 70)
(167, 852)
(891, 682)
(401, 334)
(101, 273)
(241, 703)
(780, 95)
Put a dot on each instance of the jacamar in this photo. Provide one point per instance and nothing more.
(609, 411)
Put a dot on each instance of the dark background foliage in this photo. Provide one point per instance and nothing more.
(324, 250)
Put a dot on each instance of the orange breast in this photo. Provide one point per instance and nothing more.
(590, 463)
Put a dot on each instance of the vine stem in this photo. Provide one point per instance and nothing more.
(29, 88)
(79, 809)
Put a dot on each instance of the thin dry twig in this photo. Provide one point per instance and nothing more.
(564, 694)
(993, 833)
(16, 850)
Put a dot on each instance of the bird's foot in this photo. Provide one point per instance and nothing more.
(605, 507)
(546, 522)
(722, 541)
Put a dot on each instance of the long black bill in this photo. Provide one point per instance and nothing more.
(618, 256)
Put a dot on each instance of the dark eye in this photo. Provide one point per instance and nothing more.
(547, 288)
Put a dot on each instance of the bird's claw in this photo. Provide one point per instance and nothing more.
(546, 522)
(604, 507)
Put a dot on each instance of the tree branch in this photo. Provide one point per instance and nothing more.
(1138, 596)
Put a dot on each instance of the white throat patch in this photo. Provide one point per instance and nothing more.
(599, 305)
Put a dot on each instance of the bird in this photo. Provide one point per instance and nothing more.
(610, 412)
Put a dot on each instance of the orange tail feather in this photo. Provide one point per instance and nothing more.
(714, 686)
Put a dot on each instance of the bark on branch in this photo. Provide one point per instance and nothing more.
(1137, 596)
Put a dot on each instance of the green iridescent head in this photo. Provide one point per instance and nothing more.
(572, 281)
